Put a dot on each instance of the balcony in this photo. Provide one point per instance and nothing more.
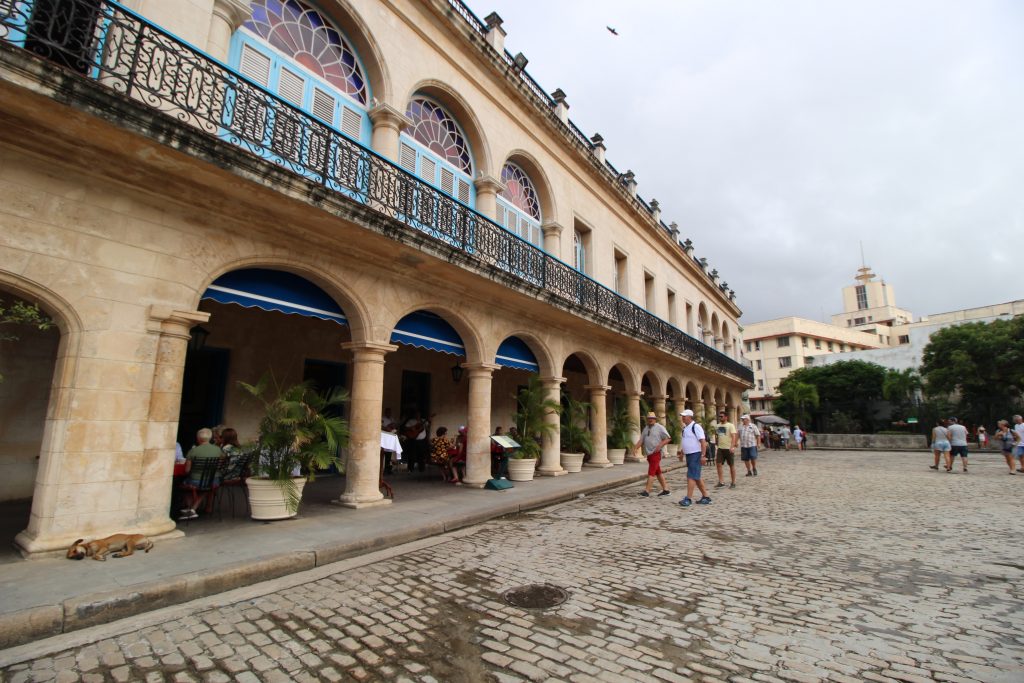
(104, 45)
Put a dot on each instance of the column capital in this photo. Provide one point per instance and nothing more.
(635, 394)
(384, 114)
(485, 183)
(552, 382)
(480, 369)
(168, 321)
(233, 12)
(368, 351)
(659, 397)
(592, 388)
(551, 227)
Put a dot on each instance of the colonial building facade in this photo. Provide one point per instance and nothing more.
(366, 194)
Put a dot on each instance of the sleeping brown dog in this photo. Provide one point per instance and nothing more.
(121, 545)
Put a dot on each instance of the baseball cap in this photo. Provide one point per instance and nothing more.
(744, 417)
(687, 413)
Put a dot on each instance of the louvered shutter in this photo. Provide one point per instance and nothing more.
(323, 105)
(407, 158)
(447, 181)
(428, 170)
(351, 123)
(255, 65)
(463, 192)
(290, 86)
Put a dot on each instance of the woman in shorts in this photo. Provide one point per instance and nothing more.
(940, 445)
(1004, 439)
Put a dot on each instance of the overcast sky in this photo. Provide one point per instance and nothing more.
(780, 134)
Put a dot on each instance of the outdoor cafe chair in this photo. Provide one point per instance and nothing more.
(203, 478)
(232, 478)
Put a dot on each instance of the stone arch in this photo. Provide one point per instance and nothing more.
(367, 48)
(716, 331)
(707, 400)
(461, 323)
(692, 394)
(361, 325)
(50, 468)
(656, 380)
(464, 115)
(545, 359)
(629, 376)
(674, 388)
(703, 322)
(726, 339)
(541, 182)
(590, 364)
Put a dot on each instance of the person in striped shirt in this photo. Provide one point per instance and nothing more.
(750, 439)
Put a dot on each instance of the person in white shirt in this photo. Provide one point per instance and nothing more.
(1018, 441)
(958, 444)
(692, 451)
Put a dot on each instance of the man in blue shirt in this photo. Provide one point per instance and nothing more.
(692, 451)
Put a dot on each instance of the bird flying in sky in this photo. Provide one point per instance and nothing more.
(612, 31)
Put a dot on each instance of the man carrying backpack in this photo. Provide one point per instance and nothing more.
(692, 452)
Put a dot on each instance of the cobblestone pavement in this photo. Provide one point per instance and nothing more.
(827, 566)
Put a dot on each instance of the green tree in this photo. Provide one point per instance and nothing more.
(852, 387)
(982, 363)
(23, 314)
(800, 396)
(900, 388)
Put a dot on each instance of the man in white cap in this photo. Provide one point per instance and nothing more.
(653, 438)
(694, 446)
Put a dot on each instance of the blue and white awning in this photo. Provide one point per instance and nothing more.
(426, 330)
(274, 290)
(514, 353)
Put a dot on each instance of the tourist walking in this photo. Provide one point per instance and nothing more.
(694, 446)
(940, 445)
(957, 443)
(1018, 441)
(749, 437)
(798, 437)
(1004, 439)
(653, 438)
(726, 438)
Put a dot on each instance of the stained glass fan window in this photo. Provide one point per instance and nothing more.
(519, 190)
(301, 33)
(437, 131)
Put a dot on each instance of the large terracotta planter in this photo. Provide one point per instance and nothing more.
(616, 456)
(521, 469)
(267, 501)
(572, 462)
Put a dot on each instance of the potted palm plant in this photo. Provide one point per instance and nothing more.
(674, 427)
(576, 438)
(299, 433)
(530, 419)
(620, 434)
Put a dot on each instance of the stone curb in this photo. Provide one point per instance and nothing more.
(44, 621)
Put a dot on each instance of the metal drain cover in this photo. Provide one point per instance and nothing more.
(535, 596)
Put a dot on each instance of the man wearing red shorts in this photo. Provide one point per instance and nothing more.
(653, 438)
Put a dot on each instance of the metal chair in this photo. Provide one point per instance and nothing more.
(203, 478)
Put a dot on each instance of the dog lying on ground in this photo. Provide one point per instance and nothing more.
(120, 545)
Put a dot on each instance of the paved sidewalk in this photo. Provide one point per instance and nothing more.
(43, 597)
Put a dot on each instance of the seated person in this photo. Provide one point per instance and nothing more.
(236, 460)
(458, 457)
(441, 448)
(202, 451)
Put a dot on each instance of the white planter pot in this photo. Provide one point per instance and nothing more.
(266, 498)
(521, 469)
(616, 456)
(670, 449)
(572, 462)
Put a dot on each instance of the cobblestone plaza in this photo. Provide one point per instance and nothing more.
(828, 566)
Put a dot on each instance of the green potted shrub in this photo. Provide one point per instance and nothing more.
(621, 428)
(530, 419)
(299, 433)
(576, 438)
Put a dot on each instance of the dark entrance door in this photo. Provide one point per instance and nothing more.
(202, 393)
(415, 393)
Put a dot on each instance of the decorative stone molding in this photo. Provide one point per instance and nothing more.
(599, 148)
(232, 12)
(495, 35)
(561, 106)
(167, 321)
(655, 210)
(387, 116)
(488, 183)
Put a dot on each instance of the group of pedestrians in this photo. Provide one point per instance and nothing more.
(949, 442)
(693, 450)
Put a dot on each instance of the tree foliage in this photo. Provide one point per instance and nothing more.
(852, 387)
(23, 314)
(981, 363)
(900, 387)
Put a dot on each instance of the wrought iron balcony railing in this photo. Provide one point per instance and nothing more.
(103, 41)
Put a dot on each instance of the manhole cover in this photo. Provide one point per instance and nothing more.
(535, 596)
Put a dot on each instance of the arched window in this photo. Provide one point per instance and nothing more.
(518, 205)
(290, 49)
(435, 149)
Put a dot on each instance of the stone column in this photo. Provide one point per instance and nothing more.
(659, 408)
(552, 237)
(362, 470)
(227, 16)
(478, 424)
(388, 123)
(634, 415)
(551, 445)
(599, 425)
(487, 190)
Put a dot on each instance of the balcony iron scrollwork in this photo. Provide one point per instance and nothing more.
(122, 51)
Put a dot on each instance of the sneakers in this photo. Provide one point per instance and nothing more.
(755, 471)
(704, 501)
(935, 467)
(664, 493)
(686, 502)
(188, 514)
(719, 485)
(749, 474)
(732, 486)
(644, 494)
